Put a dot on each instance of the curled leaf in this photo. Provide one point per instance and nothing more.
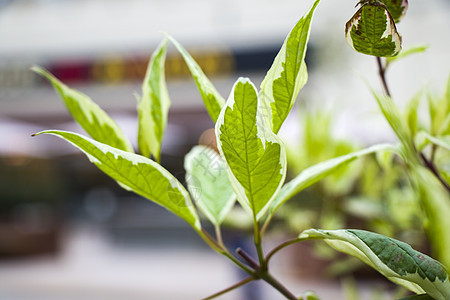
(372, 30)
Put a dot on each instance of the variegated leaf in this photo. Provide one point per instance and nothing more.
(372, 30)
(396, 260)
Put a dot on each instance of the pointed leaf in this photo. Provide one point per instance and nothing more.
(211, 97)
(441, 141)
(153, 106)
(138, 174)
(372, 31)
(399, 125)
(318, 171)
(407, 52)
(255, 157)
(208, 183)
(412, 115)
(88, 114)
(396, 260)
(287, 75)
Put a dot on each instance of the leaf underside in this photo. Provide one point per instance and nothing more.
(208, 183)
(396, 260)
(372, 31)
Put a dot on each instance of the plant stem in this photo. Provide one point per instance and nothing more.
(277, 285)
(427, 163)
(219, 236)
(430, 165)
(229, 289)
(279, 247)
(263, 274)
(382, 73)
(258, 243)
(250, 261)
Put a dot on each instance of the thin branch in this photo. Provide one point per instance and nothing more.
(427, 162)
(382, 73)
(278, 286)
(250, 261)
(229, 289)
(430, 165)
(279, 247)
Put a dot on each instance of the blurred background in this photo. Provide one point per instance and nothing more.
(69, 232)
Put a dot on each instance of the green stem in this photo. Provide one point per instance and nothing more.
(264, 274)
(219, 236)
(267, 277)
(279, 247)
(229, 289)
(258, 242)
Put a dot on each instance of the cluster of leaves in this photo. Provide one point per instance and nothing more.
(250, 166)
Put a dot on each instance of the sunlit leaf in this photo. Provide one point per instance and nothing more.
(136, 173)
(88, 114)
(153, 106)
(287, 75)
(396, 260)
(318, 171)
(372, 31)
(255, 157)
(212, 99)
(208, 183)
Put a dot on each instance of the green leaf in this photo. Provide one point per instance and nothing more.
(138, 174)
(396, 260)
(318, 171)
(441, 141)
(407, 52)
(211, 97)
(418, 297)
(255, 157)
(435, 202)
(153, 106)
(412, 115)
(397, 8)
(287, 75)
(95, 121)
(399, 125)
(208, 183)
(372, 31)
